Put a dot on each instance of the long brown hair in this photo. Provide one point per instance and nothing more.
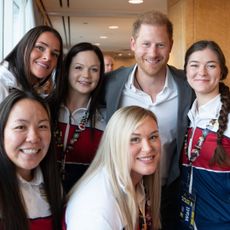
(18, 58)
(220, 156)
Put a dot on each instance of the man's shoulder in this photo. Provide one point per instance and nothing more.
(117, 78)
(179, 76)
(176, 72)
(121, 71)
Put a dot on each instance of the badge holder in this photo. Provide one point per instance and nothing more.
(188, 200)
(187, 212)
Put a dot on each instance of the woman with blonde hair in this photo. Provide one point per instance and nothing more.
(121, 188)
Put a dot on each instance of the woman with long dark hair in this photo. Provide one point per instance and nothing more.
(30, 190)
(78, 116)
(34, 62)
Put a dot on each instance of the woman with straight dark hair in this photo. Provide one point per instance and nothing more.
(30, 189)
(34, 62)
(78, 115)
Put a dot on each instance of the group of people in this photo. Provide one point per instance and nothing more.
(141, 147)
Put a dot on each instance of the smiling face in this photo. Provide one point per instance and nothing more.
(27, 136)
(152, 47)
(44, 55)
(145, 147)
(84, 73)
(203, 73)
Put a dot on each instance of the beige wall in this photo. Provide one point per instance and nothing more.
(176, 12)
(199, 19)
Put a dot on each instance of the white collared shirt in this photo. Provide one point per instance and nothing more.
(74, 118)
(165, 108)
(202, 116)
(34, 195)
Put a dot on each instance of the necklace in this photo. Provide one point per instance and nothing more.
(138, 84)
(58, 136)
(145, 222)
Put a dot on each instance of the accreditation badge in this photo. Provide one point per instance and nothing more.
(187, 212)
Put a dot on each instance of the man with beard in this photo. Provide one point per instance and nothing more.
(153, 84)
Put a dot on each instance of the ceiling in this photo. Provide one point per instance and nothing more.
(87, 20)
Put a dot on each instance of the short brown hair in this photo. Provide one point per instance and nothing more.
(152, 18)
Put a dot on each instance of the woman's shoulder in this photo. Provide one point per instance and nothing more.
(7, 80)
(93, 205)
(6, 75)
(94, 186)
(94, 193)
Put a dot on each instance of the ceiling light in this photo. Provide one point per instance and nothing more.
(103, 37)
(113, 27)
(136, 1)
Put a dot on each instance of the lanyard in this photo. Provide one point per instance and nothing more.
(67, 147)
(193, 153)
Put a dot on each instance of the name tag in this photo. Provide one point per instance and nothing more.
(187, 212)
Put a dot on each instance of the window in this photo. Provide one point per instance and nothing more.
(16, 21)
(16, 18)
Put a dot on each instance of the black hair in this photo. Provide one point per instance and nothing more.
(13, 212)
